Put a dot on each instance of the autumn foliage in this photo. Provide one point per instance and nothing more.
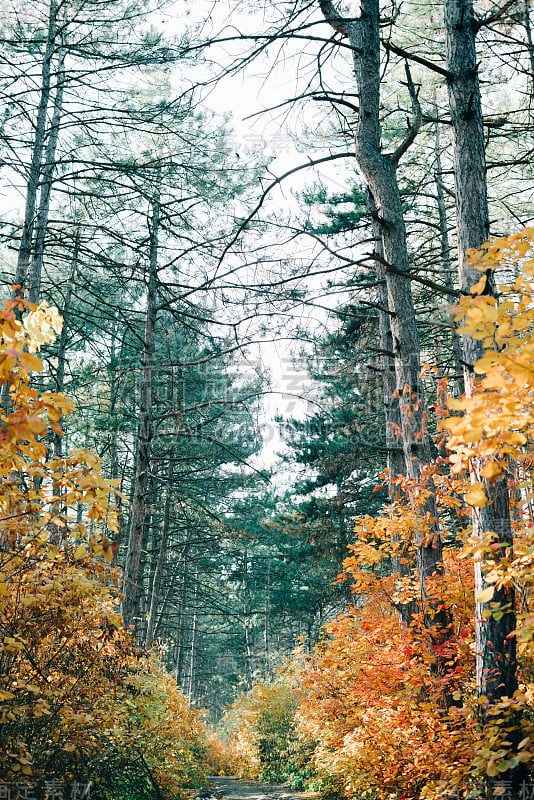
(78, 702)
(261, 729)
(392, 708)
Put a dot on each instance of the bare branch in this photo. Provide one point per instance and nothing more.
(399, 51)
(423, 281)
(416, 124)
(497, 14)
(444, 187)
(319, 98)
(386, 22)
(310, 163)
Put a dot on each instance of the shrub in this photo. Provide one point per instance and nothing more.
(78, 702)
(263, 732)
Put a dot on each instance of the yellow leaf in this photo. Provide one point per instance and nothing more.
(485, 595)
(491, 470)
(491, 769)
(502, 242)
(56, 427)
(522, 323)
(476, 496)
(80, 552)
(6, 695)
(493, 381)
(479, 286)
(472, 434)
(29, 361)
(522, 248)
(54, 414)
(35, 424)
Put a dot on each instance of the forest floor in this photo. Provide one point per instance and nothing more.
(237, 789)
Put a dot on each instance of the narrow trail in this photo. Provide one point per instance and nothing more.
(236, 789)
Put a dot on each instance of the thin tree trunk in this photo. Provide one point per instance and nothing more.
(495, 647)
(267, 632)
(160, 563)
(395, 456)
(147, 567)
(113, 392)
(58, 440)
(248, 651)
(62, 344)
(132, 568)
(180, 625)
(530, 43)
(48, 169)
(445, 249)
(193, 646)
(25, 247)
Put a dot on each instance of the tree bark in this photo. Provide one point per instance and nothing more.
(495, 647)
(156, 581)
(132, 568)
(179, 649)
(395, 455)
(34, 175)
(248, 651)
(530, 45)
(48, 169)
(379, 171)
(267, 631)
(445, 251)
(114, 454)
(190, 689)
(63, 338)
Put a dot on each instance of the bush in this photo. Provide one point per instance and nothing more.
(264, 741)
(220, 758)
(78, 701)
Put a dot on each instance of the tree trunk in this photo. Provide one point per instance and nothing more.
(445, 252)
(132, 568)
(379, 171)
(190, 690)
(160, 563)
(63, 338)
(48, 170)
(267, 632)
(530, 45)
(395, 456)
(248, 651)
(468, 148)
(26, 240)
(495, 648)
(114, 455)
(179, 649)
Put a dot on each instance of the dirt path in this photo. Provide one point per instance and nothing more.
(236, 789)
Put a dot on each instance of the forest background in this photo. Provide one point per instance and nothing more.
(163, 258)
